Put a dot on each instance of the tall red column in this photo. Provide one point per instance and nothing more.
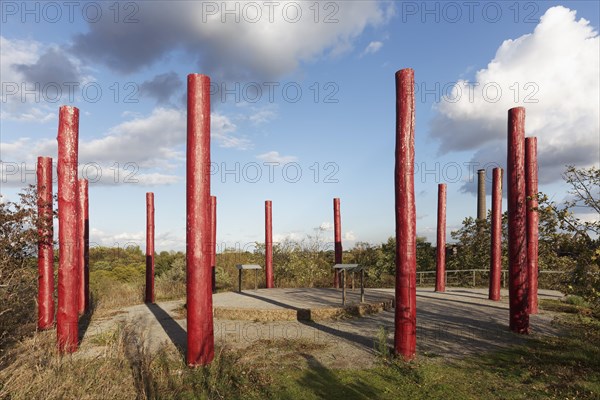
(213, 241)
(517, 208)
(405, 325)
(200, 331)
(269, 243)
(337, 228)
(440, 270)
(45, 248)
(149, 247)
(84, 247)
(68, 273)
(496, 239)
(531, 183)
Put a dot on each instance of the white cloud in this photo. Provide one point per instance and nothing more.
(262, 116)
(162, 241)
(372, 48)
(350, 236)
(12, 53)
(326, 226)
(236, 45)
(223, 130)
(556, 70)
(137, 151)
(296, 236)
(274, 156)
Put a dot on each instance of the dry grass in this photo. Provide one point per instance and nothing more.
(34, 370)
(108, 294)
(121, 366)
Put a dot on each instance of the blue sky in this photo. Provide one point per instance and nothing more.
(125, 66)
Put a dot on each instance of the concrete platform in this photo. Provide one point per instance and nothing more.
(298, 304)
(454, 324)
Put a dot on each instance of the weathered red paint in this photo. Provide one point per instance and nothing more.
(440, 270)
(405, 325)
(496, 239)
(150, 248)
(200, 330)
(213, 240)
(517, 208)
(531, 183)
(337, 229)
(269, 243)
(84, 247)
(45, 245)
(68, 273)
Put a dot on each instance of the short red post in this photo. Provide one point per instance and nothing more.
(150, 247)
(531, 179)
(68, 240)
(337, 229)
(440, 270)
(496, 239)
(269, 243)
(517, 209)
(213, 240)
(200, 330)
(45, 245)
(405, 325)
(84, 247)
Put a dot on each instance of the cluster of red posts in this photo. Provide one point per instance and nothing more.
(73, 233)
(522, 223)
(73, 272)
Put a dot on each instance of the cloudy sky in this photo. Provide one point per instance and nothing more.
(302, 105)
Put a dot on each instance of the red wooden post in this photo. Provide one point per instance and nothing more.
(269, 243)
(337, 228)
(84, 247)
(440, 271)
(150, 247)
(531, 182)
(45, 245)
(405, 332)
(213, 239)
(496, 239)
(68, 273)
(517, 241)
(200, 330)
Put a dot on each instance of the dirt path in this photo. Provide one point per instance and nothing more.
(453, 324)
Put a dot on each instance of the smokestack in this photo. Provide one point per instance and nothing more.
(481, 210)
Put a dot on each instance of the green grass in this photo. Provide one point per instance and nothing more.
(566, 367)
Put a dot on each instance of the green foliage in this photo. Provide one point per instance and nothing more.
(473, 245)
(18, 267)
(577, 237)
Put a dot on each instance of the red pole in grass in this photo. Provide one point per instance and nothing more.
(213, 240)
(68, 273)
(150, 247)
(405, 332)
(200, 333)
(84, 247)
(496, 247)
(269, 243)
(45, 248)
(440, 270)
(531, 183)
(517, 208)
(337, 228)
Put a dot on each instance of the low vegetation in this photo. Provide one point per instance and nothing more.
(554, 367)
(565, 367)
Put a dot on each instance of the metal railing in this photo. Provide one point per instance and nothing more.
(477, 277)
